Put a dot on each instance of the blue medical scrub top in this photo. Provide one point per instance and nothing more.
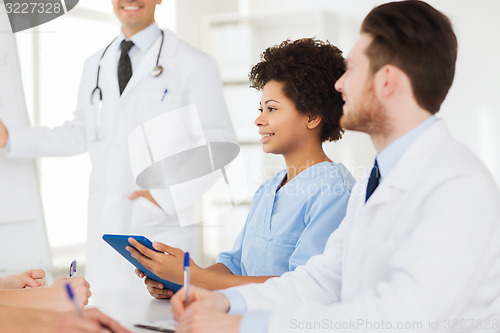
(288, 225)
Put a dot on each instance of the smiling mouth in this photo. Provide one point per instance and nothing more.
(131, 7)
(267, 135)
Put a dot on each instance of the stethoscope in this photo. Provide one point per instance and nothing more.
(156, 72)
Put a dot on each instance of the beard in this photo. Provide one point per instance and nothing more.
(368, 115)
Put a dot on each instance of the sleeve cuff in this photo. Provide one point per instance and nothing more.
(237, 303)
(255, 322)
(229, 264)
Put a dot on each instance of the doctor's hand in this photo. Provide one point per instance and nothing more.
(200, 300)
(146, 194)
(97, 317)
(93, 321)
(4, 135)
(168, 266)
(155, 288)
(59, 300)
(32, 278)
(198, 320)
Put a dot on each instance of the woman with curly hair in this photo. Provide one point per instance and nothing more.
(293, 213)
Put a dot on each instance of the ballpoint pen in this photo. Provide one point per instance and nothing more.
(72, 268)
(164, 93)
(186, 277)
(73, 300)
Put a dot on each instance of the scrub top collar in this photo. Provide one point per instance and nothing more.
(304, 173)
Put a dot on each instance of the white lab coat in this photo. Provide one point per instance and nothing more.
(190, 77)
(425, 247)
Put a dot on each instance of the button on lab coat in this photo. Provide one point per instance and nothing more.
(190, 77)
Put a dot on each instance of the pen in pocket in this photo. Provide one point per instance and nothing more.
(164, 94)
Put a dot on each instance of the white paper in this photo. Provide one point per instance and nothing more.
(161, 324)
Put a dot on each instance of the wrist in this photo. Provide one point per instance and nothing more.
(236, 323)
(196, 274)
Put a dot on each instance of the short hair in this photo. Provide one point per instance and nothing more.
(419, 40)
(308, 68)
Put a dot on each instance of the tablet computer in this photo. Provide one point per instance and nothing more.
(119, 242)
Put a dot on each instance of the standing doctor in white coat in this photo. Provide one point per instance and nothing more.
(116, 204)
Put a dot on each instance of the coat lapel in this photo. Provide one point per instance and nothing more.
(149, 61)
(109, 73)
(417, 156)
(402, 176)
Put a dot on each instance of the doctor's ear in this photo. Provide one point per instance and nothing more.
(313, 120)
(387, 80)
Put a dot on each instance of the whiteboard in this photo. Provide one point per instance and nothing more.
(23, 236)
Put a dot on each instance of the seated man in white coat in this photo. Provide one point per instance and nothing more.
(419, 248)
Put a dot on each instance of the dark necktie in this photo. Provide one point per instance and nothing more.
(373, 181)
(124, 65)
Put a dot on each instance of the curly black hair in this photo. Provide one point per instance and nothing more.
(308, 68)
